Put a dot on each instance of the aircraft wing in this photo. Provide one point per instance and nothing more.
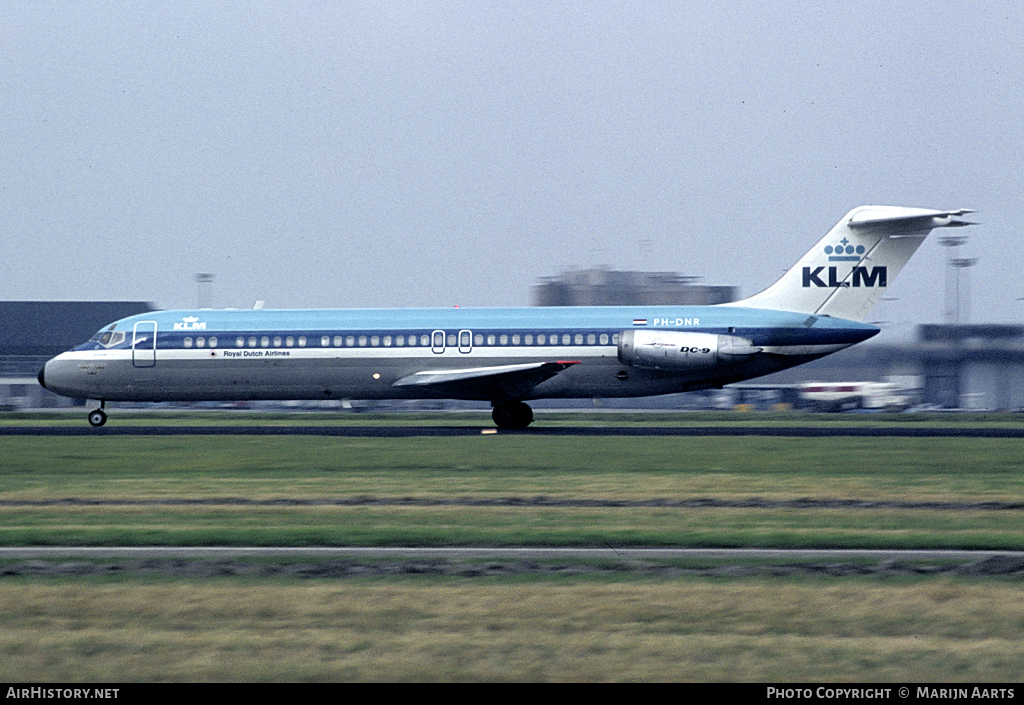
(497, 383)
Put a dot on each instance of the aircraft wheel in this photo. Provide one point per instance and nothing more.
(97, 417)
(512, 415)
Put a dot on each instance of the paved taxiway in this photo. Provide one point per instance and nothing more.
(114, 429)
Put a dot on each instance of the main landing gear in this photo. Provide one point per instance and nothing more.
(512, 415)
(98, 417)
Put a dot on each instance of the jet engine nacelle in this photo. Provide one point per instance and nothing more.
(677, 350)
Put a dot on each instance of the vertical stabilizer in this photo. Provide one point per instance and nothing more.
(849, 269)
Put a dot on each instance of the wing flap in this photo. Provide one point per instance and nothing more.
(497, 384)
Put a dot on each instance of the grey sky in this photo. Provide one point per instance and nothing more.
(354, 154)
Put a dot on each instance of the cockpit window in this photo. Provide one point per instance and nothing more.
(101, 333)
(109, 339)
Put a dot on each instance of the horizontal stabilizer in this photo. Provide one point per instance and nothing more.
(870, 216)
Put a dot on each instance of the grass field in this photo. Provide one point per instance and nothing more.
(151, 471)
(456, 630)
(570, 628)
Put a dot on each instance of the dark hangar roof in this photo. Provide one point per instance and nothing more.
(50, 327)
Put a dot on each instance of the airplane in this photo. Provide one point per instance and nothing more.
(506, 356)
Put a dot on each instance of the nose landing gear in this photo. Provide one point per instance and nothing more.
(98, 417)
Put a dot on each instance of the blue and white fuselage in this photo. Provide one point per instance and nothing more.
(503, 355)
(366, 354)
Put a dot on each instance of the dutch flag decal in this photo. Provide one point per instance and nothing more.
(639, 321)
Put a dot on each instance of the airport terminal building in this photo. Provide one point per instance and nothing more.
(956, 366)
(610, 287)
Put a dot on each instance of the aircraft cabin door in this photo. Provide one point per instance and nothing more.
(465, 341)
(437, 341)
(144, 344)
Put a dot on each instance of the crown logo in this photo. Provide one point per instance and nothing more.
(190, 319)
(844, 252)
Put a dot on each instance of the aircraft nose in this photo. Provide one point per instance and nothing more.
(58, 376)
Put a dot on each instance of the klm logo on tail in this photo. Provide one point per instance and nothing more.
(847, 270)
(862, 276)
(845, 252)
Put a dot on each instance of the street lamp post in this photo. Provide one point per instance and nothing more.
(204, 297)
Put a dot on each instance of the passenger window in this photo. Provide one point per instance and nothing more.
(615, 339)
(399, 340)
(387, 341)
(337, 341)
(289, 341)
(350, 341)
(265, 341)
(451, 340)
(478, 339)
(362, 341)
(566, 339)
(252, 342)
(604, 339)
(529, 339)
(277, 341)
(503, 340)
(541, 339)
(239, 342)
(188, 342)
(591, 339)
(515, 339)
(302, 341)
(200, 342)
(424, 340)
(375, 340)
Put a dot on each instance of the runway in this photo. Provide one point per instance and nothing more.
(481, 562)
(539, 431)
(846, 504)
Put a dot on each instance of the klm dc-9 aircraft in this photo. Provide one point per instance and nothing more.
(506, 356)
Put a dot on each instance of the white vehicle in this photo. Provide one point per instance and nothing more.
(843, 396)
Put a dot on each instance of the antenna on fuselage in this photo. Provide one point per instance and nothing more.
(258, 305)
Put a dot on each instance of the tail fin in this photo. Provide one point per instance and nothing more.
(847, 271)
